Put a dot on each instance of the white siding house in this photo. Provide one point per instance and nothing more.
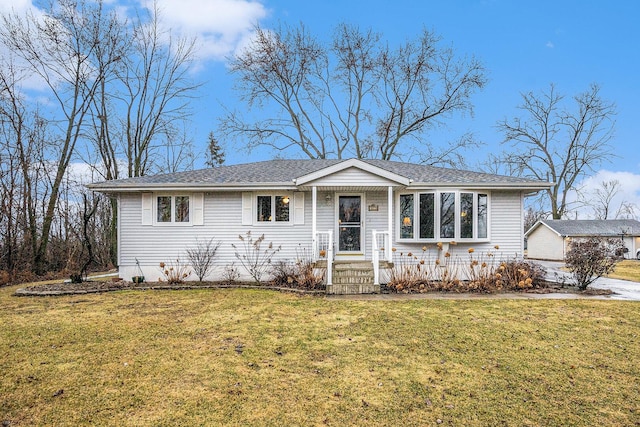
(549, 239)
(330, 209)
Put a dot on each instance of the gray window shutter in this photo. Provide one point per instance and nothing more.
(197, 205)
(247, 208)
(298, 208)
(147, 208)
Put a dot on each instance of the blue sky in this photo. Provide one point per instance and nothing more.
(525, 46)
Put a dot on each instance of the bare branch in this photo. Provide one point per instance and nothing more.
(355, 97)
(557, 143)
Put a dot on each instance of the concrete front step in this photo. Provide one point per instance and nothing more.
(353, 281)
(352, 289)
(353, 273)
(352, 277)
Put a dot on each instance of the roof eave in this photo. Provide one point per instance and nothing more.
(534, 186)
(128, 188)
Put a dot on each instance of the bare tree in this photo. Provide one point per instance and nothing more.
(25, 174)
(139, 113)
(60, 48)
(117, 95)
(627, 210)
(551, 142)
(531, 216)
(601, 198)
(354, 97)
(157, 91)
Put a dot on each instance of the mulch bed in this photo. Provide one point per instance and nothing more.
(89, 287)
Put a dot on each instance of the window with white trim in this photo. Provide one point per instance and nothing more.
(172, 209)
(443, 215)
(273, 208)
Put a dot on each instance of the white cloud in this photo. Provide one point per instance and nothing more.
(219, 25)
(15, 5)
(629, 191)
(550, 45)
(27, 80)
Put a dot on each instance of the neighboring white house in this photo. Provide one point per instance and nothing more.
(549, 239)
(337, 210)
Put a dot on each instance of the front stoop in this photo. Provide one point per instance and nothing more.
(352, 277)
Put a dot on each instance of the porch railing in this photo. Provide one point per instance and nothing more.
(323, 250)
(381, 242)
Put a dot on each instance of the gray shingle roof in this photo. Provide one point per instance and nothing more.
(433, 174)
(594, 227)
(283, 172)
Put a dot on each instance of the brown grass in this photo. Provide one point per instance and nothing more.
(629, 269)
(254, 357)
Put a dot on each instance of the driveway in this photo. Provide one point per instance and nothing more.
(622, 289)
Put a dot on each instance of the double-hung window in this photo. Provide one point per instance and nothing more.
(172, 209)
(273, 208)
(443, 215)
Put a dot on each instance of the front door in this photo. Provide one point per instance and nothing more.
(350, 224)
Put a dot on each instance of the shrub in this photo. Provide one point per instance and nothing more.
(5, 278)
(174, 272)
(299, 274)
(426, 270)
(202, 256)
(590, 258)
(230, 273)
(517, 274)
(477, 272)
(253, 257)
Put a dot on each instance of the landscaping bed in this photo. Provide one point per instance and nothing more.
(96, 286)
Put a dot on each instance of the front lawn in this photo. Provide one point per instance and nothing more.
(254, 357)
(628, 269)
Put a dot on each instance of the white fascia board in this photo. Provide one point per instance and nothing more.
(538, 224)
(191, 187)
(529, 187)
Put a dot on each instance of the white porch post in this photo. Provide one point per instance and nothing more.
(387, 248)
(314, 219)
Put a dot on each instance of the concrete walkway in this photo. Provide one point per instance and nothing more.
(622, 289)
(467, 296)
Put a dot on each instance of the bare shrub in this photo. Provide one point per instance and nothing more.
(174, 272)
(434, 271)
(201, 257)
(299, 274)
(5, 278)
(590, 258)
(253, 257)
(519, 274)
(430, 269)
(230, 273)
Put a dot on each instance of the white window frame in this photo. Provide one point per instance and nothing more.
(437, 216)
(173, 222)
(273, 196)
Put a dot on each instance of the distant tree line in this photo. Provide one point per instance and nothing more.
(112, 94)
